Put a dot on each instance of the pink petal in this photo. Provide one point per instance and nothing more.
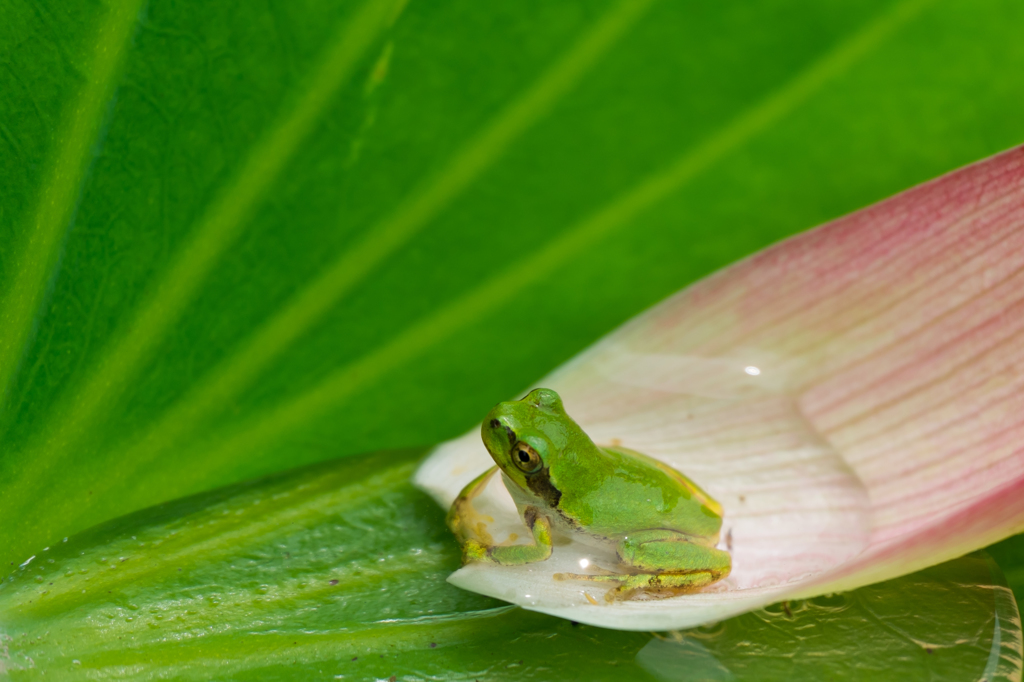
(854, 397)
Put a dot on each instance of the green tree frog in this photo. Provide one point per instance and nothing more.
(663, 527)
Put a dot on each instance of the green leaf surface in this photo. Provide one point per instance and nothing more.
(337, 571)
(238, 237)
(1009, 554)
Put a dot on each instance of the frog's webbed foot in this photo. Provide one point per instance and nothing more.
(470, 528)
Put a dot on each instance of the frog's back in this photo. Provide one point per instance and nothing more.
(628, 490)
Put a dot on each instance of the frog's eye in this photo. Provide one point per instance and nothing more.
(526, 458)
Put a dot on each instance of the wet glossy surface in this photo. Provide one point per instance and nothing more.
(792, 506)
(338, 572)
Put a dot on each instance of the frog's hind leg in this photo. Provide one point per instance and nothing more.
(667, 562)
(632, 585)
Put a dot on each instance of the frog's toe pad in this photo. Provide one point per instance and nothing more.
(473, 552)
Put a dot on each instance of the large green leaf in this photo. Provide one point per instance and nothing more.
(338, 570)
(237, 237)
(1010, 555)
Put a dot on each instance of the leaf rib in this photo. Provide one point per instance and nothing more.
(216, 538)
(290, 648)
(215, 231)
(225, 383)
(36, 264)
(276, 422)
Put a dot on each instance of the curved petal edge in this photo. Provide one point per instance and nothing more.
(853, 396)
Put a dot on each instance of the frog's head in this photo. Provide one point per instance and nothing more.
(527, 437)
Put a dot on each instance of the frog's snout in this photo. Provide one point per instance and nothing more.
(498, 428)
(498, 436)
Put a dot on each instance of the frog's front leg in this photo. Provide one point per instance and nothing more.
(670, 563)
(470, 528)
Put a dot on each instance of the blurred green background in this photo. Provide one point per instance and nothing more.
(239, 237)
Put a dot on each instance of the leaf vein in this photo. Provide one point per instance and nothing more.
(35, 265)
(276, 422)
